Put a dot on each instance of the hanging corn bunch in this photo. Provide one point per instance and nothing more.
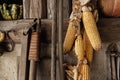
(91, 28)
(73, 23)
(84, 42)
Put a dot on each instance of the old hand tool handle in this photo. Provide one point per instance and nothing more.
(34, 47)
(34, 53)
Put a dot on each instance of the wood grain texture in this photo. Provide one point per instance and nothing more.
(23, 67)
(37, 9)
(109, 29)
(18, 25)
(26, 4)
(66, 9)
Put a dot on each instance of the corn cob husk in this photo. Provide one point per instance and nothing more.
(75, 77)
(85, 71)
(88, 48)
(70, 73)
(91, 28)
(84, 2)
(69, 38)
(69, 78)
(79, 47)
(96, 15)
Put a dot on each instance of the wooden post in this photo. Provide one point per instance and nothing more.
(37, 9)
(53, 40)
(66, 9)
(60, 42)
(24, 50)
(23, 59)
(26, 8)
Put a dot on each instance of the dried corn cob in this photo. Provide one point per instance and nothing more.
(79, 47)
(85, 71)
(69, 38)
(88, 48)
(91, 28)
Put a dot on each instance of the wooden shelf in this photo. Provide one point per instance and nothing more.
(109, 29)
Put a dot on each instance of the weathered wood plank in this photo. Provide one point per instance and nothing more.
(26, 4)
(109, 29)
(23, 59)
(66, 9)
(23, 66)
(7, 25)
(37, 9)
(18, 25)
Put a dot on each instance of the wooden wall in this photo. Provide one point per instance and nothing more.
(109, 31)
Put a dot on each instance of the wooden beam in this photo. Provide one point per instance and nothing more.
(109, 29)
(18, 25)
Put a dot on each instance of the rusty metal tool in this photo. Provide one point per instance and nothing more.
(108, 64)
(118, 66)
(60, 42)
(53, 39)
(114, 75)
(112, 52)
(34, 51)
(118, 62)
